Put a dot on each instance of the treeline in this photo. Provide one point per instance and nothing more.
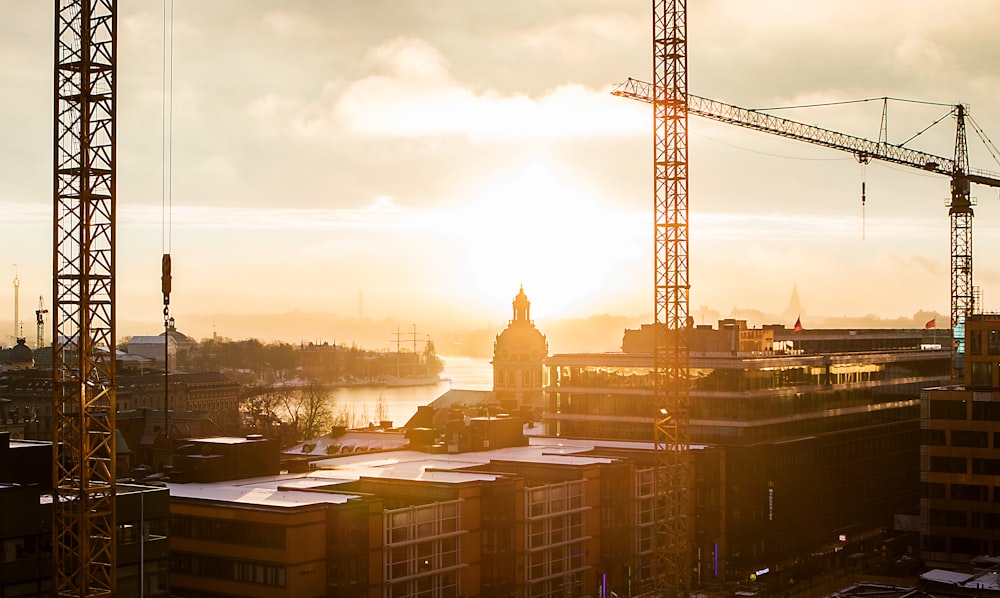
(253, 361)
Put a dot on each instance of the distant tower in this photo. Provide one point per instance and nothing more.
(17, 316)
(518, 356)
(794, 305)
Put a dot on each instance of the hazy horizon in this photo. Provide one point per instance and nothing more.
(417, 162)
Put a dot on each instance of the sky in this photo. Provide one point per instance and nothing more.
(421, 160)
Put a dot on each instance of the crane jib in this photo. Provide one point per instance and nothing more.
(863, 149)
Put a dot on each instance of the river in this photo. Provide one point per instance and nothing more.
(360, 403)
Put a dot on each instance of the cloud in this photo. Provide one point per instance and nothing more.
(410, 93)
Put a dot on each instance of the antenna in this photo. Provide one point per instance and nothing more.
(17, 318)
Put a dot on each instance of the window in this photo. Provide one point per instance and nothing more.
(950, 464)
(969, 438)
(994, 343)
(981, 373)
(932, 437)
(969, 492)
(932, 490)
(985, 411)
(941, 409)
(975, 342)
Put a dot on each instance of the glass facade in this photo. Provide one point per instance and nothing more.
(743, 400)
(421, 551)
(784, 442)
(555, 543)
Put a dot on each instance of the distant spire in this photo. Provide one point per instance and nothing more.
(794, 305)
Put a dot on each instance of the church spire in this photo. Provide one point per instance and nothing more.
(522, 307)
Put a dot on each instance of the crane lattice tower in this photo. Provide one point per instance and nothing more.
(671, 390)
(83, 321)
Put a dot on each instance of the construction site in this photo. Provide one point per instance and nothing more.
(733, 460)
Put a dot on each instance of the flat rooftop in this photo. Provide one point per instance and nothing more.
(319, 486)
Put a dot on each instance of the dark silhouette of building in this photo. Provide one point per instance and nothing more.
(959, 459)
(26, 526)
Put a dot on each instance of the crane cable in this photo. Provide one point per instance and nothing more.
(167, 196)
(864, 176)
(167, 150)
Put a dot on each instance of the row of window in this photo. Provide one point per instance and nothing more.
(734, 407)
(228, 532)
(940, 464)
(975, 345)
(508, 377)
(422, 558)
(959, 410)
(953, 518)
(959, 438)
(963, 546)
(421, 522)
(742, 379)
(711, 432)
(554, 499)
(971, 492)
(444, 585)
(227, 569)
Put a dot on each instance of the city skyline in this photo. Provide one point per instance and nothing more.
(434, 156)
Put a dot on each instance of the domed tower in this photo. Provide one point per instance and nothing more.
(21, 357)
(518, 356)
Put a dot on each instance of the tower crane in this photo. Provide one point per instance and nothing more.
(40, 321)
(671, 559)
(956, 168)
(84, 529)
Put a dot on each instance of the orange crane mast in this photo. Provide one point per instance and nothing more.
(83, 299)
(671, 351)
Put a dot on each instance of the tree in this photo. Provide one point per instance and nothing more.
(308, 411)
(381, 409)
(261, 406)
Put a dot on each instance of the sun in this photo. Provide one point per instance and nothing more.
(538, 228)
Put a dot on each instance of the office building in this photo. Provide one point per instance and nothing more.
(808, 440)
(959, 462)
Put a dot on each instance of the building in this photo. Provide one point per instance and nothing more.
(212, 393)
(959, 464)
(146, 444)
(151, 347)
(26, 527)
(518, 354)
(808, 444)
(19, 357)
(549, 518)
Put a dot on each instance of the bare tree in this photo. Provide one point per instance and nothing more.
(261, 407)
(308, 411)
(381, 409)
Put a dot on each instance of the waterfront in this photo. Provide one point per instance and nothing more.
(360, 403)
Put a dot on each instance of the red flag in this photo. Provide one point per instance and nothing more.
(931, 323)
(798, 324)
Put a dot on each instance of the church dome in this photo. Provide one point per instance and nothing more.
(22, 354)
(521, 337)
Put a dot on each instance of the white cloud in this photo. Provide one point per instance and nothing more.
(412, 94)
